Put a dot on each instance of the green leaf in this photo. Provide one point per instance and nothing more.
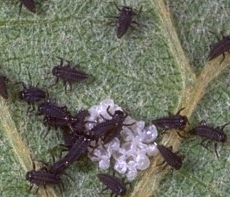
(157, 67)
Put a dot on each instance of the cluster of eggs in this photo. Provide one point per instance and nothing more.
(129, 152)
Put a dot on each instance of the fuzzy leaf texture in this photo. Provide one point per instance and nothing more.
(159, 66)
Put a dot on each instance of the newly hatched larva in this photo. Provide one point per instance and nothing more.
(170, 157)
(29, 4)
(68, 74)
(116, 185)
(210, 133)
(219, 48)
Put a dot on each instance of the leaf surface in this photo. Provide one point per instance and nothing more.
(155, 68)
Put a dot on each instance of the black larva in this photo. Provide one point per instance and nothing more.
(78, 123)
(209, 133)
(55, 122)
(219, 48)
(109, 129)
(31, 95)
(172, 121)
(49, 108)
(3, 89)
(116, 185)
(29, 4)
(68, 74)
(125, 20)
(170, 157)
(77, 149)
(42, 177)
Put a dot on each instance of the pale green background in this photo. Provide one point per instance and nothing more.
(137, 71)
